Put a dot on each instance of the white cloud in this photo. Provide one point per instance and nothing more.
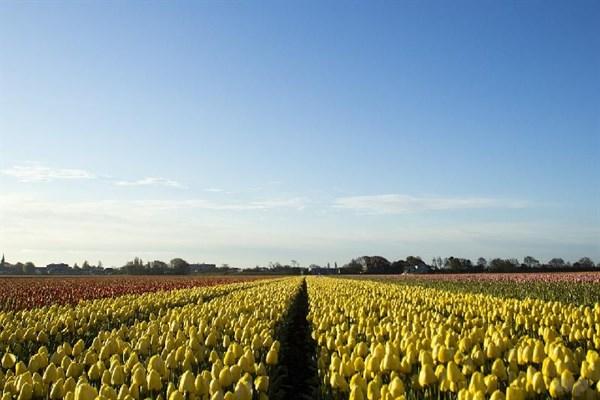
(29, 206)
(35, 172)
(402, 204)
(39, 173)
(297, 203)
(214, 190)
(151, 181)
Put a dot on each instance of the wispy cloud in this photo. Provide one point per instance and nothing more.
(24, 205)
(150, 181)
(214, 190)
(402, 204)
(38, 173)
(295, 203)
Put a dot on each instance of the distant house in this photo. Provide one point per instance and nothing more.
(228, 270)
(59, 269)
(418, 269)
(318, 270)
(203, 268)
(40, 271)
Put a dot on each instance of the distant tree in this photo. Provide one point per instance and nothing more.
(467, 265)
(413, 261)
(375, 264)
(295, 264)
(398, 267)
(85, 266)
(18, 267)
(531, 262)
(557, 263)
(481, 262)
(158, 267)
(459, 264)
(500, 265)
(353, 267)
(496, 264)
(135, 267)
(437, 263)
(28, 268)
(180, 266)
(585, 262)
(3, 261)
(100, 266)
(452, 264)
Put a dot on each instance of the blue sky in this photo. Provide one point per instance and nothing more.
(243, 133)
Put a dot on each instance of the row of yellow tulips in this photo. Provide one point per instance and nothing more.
(23, 332)
(384, 341)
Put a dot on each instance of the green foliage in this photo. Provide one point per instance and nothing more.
(583, 293)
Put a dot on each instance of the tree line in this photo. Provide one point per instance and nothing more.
(360, 265)
(529, 264)
(414, 264)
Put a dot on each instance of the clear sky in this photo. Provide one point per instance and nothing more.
(245, 132)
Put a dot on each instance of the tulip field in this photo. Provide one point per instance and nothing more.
(414, 338)
(28, 292)
(301, 338)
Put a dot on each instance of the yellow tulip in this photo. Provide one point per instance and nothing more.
(427, 376)
(579, 388)
(514, 393)
(153, 381)
(56, 391)
(497, 395)
(567, 380)
(118, 376)
(225, 377)
(538, 383)
(261, 383)
(26, 392)
(499, 369)
(356, 394)
(108, 392)
(176, 395)
(555, 389)
(272, 357)
(85, 392)
(242, 391)
(187, 382)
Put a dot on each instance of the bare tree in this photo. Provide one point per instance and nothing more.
(531, 262)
